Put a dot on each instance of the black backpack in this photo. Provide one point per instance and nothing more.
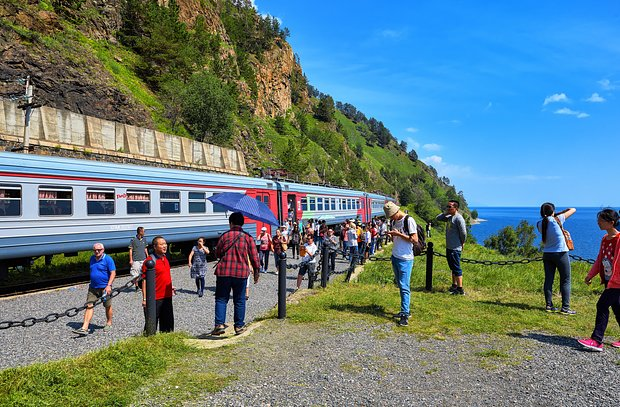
(420, 246)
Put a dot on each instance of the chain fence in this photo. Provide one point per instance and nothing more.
(71, 312)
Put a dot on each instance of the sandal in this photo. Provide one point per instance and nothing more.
(240, 330)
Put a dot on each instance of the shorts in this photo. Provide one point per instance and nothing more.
(136, 268)
(95, 293)
(308, 267)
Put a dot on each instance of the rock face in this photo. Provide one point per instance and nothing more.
(71, 77)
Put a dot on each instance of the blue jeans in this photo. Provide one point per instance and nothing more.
(223, 285)
(263, 256)
(454, 262)
(402, 275)
(353, 252)
(561, 261)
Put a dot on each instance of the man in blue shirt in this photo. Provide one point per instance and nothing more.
(102, 274)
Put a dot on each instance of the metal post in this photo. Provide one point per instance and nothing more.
(324, 266)
(282, 286)
(429, 267)
(151, 314)
(28, 113)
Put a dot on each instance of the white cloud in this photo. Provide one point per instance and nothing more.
(569, 112)
(606, 84)
(489, 106)
(411, 130)
(447, 170)
(431, 147)
(390, 34)
(558, 97)
(595, 98)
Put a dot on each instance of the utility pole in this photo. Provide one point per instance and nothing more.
(28, 107)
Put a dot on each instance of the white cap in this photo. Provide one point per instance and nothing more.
(263, 229)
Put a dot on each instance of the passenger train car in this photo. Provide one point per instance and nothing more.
(51, 205)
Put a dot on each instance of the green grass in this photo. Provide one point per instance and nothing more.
(110, 376)
(500, 300)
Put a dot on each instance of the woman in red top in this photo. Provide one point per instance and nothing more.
(264, 249)
(607, 266)
(278, 240)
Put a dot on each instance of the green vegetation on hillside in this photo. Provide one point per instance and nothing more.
(199, 78)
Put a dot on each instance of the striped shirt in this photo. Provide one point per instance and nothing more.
(234, 249)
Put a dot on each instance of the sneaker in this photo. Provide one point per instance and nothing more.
(567, 311)
(616, 344)
(551, 308)
(218, 330)
(80, 331)
(458, 291)
(591, 344)
(404, 321)
(452, 288)
(107, 328)
(399, 315)
(240, 330)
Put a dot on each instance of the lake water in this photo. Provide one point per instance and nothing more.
(582, 226)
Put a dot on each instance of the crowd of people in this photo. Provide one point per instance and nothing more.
(241, 255)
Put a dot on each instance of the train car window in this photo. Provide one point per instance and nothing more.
(333, 204)
(343, 204)
(357, 204)
(259, 198)
(304, 204)
(197, 203)
(138, 202)
(319, 204)
(99, 201)
(10, 200)
(170, 201)
(55, 201)
(266, 199)
(221, 209)
(312, 204)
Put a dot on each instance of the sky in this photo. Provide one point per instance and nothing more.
(517, 103)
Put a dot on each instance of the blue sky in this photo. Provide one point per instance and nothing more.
(517, 103)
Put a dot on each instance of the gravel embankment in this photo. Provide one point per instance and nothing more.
(287, 364)
(51, 341)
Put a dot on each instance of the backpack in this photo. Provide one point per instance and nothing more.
(419, 247)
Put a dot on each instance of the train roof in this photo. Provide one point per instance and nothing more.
(92, 169)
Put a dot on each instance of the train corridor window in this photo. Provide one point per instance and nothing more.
(99, 201)
(170, 201)
(343, 204)
(304, 204)
(221, 209)
(55, 201)
(10, 200)
(319, 204)
(138, 202)
(333, 204)
(312, 204)
(197, 203)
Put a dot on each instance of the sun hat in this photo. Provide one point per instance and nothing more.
(390, 209)
(263, 229)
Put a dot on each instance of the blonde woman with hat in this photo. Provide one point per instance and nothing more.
(403, 233)
(265, 243)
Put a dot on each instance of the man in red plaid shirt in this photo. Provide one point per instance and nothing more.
(238, 256)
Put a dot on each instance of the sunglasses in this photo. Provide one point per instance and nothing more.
(97, 250)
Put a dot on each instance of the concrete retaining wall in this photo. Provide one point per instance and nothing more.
(61, 129)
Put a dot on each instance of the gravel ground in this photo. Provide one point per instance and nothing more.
(285, 364)
(51, 341)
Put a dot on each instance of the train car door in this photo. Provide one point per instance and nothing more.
(261, 196)
(291, 207)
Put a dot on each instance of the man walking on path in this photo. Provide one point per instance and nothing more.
(164, 290)
(102, 275)
(137, 253)
(456, 233)
(234, 249)
(404, 234)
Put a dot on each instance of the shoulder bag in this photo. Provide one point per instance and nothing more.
(567, 236)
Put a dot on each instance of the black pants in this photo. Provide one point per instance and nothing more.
(332, 261)
(295, 249)
(164, 316)
(609, 298)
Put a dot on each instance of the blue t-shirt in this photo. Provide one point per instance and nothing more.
(100, 270)
(555, 239)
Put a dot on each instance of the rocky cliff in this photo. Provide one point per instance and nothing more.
(50, 42)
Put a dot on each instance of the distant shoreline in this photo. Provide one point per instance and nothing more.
(477, 221)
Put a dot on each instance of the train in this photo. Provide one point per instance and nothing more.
(55, 205)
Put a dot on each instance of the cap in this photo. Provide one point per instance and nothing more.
(263, 229)
(390, 209)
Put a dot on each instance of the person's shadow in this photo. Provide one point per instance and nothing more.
(548, 339)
